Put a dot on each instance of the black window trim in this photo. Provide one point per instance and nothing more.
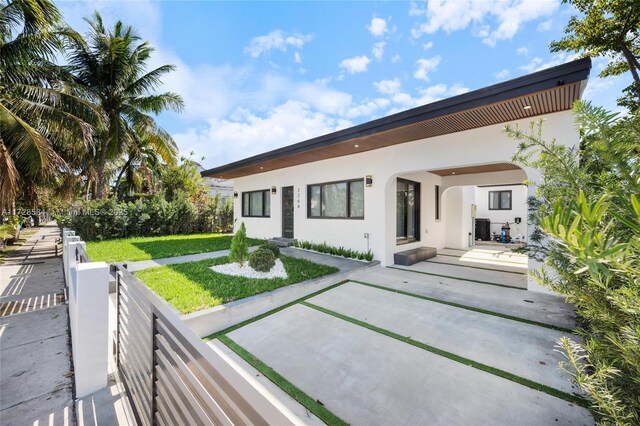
(265, 193)
(348, 182)
(500, 200)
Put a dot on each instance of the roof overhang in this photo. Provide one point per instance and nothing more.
(543, 92)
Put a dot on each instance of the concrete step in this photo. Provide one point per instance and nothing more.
(282, 242)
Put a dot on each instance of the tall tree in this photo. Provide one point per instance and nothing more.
(609, 28)
(111, 66)
(39, 118)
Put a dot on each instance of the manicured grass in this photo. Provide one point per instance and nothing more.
(308, 402)
(145, 248)
(193, 286)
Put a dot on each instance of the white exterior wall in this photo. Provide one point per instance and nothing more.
(409, 160)
(457, 203)
(499, 217)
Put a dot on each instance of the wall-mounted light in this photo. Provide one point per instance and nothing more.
(235, 195)
(273, 189)
(368, 180)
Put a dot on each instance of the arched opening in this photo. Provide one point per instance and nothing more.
(462, 209)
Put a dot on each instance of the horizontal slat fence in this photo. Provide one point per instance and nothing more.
(171, 376)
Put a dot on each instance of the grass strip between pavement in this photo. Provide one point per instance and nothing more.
(271, 312)
(474, 267)
(308, 402)
(469, 308)
(456, 278)
(466, 361)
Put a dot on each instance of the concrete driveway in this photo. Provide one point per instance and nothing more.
(404, 347)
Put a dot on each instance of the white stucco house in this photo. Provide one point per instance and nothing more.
(409, 179)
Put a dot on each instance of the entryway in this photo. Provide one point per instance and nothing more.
(287, 212)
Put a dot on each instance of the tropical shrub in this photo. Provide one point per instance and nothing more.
(272, 248)
(147, 216)
(336, 251)
(262, 259)
(587, 211)
(239, 251)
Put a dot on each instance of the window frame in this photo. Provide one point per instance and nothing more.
(499, 194)
(348, 182)
(265, 193)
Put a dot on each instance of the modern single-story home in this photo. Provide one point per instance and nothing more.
(412, 179)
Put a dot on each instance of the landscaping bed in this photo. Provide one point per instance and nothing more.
(193, 286)
(146, 248)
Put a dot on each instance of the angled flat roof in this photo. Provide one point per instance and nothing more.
(547, 91)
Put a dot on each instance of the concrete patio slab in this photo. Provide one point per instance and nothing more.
(55, 409)
(367, 378)
(473, 263)
(541, 307)
(286, 403)
(480, 275)
(496, 255)
(26, 328)
(521, 349)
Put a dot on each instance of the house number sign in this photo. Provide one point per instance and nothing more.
(298, 198)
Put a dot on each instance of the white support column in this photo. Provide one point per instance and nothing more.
(72, 287)
(91, 333)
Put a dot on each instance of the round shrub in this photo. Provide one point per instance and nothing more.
(262, 260)
(272, 248)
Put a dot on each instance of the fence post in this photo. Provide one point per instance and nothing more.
(91, 346)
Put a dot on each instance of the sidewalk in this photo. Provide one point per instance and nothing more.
(35, 354)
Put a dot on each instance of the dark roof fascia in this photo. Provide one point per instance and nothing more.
(568, 73)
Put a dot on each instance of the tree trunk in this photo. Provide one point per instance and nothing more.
(634, 66)
(101, 190)
(124, 168)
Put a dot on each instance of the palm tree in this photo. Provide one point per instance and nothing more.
(111, 67)
(39, 117)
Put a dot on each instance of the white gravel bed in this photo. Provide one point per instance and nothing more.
(247, 271)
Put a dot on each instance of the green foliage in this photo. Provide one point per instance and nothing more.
(272, 248)
(588, 215)
(239, 250)
(336, 251)
(611, 29)
(193, 286)
(152, 216)
(7, 231)
(262, 260)
(144, 248)
(183, 178)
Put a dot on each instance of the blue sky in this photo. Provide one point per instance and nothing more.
(256, 76)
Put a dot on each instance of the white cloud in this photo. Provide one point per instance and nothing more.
(522, 50)
(388, 87)
(278, 40)
(356, 64)
(537, 63)
(290, 122)
(378, 50)
(425, 96)
(425, 66)
(395, 59)
(501, 75)
(296, 57)
(377, 27)
(545, 25)
(367, 108)
(490, 20)
(427, 46)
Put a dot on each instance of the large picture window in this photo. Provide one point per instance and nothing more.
(500, 200)
(256, 204)
(336, 200)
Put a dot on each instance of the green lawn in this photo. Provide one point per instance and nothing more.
(192, 286)
(145, 248)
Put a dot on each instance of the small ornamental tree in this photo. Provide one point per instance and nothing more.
(239, 252)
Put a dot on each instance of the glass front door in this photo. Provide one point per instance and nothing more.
(287, 212)
(407, 211)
